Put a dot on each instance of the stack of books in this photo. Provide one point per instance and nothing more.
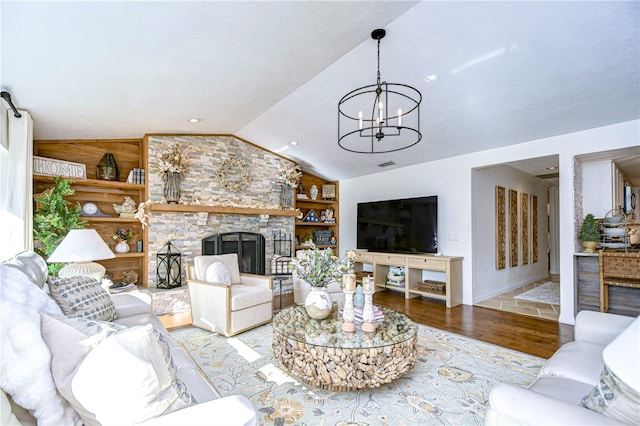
(377, 314)
(136, 176)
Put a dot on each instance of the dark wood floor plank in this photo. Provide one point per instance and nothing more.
(518, 332)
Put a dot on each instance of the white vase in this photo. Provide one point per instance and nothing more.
(314, 192)
(318, 303)
(122, 247)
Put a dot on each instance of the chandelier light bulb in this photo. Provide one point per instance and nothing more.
(360, 119)
(399, 117)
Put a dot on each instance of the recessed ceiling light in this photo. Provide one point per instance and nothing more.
(552, 167)
(294, 143)
(431, 78)
(195, 120)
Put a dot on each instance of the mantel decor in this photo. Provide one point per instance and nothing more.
(381, 117)
(233, 174)
(173, 162)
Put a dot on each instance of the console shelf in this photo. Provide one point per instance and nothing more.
(447, 269)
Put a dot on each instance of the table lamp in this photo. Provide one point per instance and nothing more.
(80, 248)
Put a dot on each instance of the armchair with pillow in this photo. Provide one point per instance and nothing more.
(75, 355)
(225, 301)
(594, 380)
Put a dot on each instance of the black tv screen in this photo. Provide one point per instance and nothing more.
(402, 226)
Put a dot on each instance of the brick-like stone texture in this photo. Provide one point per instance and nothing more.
(186, 230)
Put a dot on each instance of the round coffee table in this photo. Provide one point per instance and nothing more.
(320, 354)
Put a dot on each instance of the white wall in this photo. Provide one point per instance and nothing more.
(450, 179)
(487, 281)
(597, 196)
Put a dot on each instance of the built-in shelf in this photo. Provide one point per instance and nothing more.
(94, 182)
(315, 224)
(188, 208)
(130, 254)
(98, 219)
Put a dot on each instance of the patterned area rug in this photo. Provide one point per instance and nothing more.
(548, 292)
(449, 384)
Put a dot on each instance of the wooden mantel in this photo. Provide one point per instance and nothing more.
(189, 208)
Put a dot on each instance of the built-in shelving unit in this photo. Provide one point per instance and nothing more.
(129, 154)
(304, 205)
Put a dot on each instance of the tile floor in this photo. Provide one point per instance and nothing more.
(506, 302)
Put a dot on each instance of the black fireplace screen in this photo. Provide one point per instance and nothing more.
(248, 245)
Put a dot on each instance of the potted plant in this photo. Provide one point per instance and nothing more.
(53, 218)
(320, 268)
(589, 234)
(122, 235)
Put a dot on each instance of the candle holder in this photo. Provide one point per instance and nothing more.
(347, 314)
(368, 325)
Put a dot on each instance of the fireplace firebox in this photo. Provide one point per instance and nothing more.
(248, 245)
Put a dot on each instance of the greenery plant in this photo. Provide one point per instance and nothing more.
(589, 230)
(53, 218)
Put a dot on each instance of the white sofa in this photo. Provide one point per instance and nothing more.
(16, 276)
(572, 373)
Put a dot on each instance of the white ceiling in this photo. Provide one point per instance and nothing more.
(272, 72)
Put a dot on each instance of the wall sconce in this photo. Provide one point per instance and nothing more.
(169, 269)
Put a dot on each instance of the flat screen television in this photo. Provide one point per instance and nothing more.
(408, 225)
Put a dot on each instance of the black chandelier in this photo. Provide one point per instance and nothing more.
(393, 122)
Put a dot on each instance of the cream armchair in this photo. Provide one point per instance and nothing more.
(229, 309)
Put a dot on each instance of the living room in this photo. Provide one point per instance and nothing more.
(103, 84)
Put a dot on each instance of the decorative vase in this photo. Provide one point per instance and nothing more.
(107, 168)
(286, 196)
(171, 190)
(318, 303)
(589, 246)
(122, 247)
(314, 192)
(358, 300)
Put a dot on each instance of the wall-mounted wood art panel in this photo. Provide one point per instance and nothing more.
(524, 226)
(534, 228)
(501, 229)
(513, 228)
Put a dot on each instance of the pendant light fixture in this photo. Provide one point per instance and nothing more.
(381, 117)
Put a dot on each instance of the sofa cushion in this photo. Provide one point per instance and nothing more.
(245, 296)
(561, 389)
(578, 360)
(70, 340)
(82, 297)
(217, 273)
(614, 398)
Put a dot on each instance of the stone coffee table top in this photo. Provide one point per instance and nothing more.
(322, 355)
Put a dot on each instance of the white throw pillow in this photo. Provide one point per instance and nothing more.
(217, 272)
(130, 378)
(613, 398)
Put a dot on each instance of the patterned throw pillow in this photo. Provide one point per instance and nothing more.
(82, 297)
(613, 398)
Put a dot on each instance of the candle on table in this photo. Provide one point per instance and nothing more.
(349, 282)
(368, 283)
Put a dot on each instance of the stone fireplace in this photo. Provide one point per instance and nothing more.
(187, 229)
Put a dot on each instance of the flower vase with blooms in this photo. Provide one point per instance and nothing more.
(320, 268)
(121, 236)
(288, 178)
(173, 162)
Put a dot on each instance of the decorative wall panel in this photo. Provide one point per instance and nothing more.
(524, 226)
(534, 228)
(513, 228)
(501, 229)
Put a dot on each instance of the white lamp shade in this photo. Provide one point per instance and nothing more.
(81, 245)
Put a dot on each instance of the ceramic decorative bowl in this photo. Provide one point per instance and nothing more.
(615, 219)
(615, 232)
(396, 278)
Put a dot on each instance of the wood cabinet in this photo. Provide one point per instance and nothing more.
(129, 154)
(308, 229)
(445, 269)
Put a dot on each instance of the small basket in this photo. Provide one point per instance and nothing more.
(435, 287)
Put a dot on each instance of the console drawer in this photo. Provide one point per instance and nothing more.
(364, 257)
(427, 263)
(389, 259)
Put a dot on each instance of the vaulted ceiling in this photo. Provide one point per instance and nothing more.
(491, 73)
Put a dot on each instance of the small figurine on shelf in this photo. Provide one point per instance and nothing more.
(127, 209)
(333, 240)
